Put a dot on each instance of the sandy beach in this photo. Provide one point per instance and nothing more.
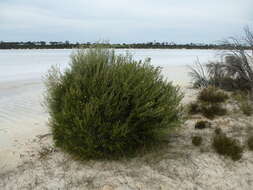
(34, 163)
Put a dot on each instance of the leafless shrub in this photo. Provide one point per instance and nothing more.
(200, 75)
(234, 72)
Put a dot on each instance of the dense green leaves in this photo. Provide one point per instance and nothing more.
(108, 105)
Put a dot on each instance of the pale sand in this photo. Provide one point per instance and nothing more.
(25, 137)
(180, 165)
(21, 118)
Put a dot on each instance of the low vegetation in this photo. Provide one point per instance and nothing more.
(227, 146)
(197, 140)
(109, 105)
(217, 131)
(209, 103)
(212, 110)
(247, 108)
(244, 102)
(250, 142)
(194, 108)
(234, 72)
(202, 124)
(212, 95)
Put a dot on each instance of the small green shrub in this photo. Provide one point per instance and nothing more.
(196, 140)
(209, 110)
(212, 95)
(107, 105)
(209, 103)
(218, 131)
(194, 108)
(244, 102)
(202, 124)
(250, 142)
(212, 110)
(246, 108)
(227, 146)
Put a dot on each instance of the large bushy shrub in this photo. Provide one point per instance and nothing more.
(108, 105)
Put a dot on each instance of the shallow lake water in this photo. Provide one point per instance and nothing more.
(31, 64)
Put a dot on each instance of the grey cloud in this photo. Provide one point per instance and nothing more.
(124, 20)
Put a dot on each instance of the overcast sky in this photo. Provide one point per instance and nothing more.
(180, 21)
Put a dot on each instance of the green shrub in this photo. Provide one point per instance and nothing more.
(218, 131)
(209, 110)
(209, 103)
(244, 102)
(196, 140)
(202, 124)
(212, 95)
(227, 146)
(247, 108)
(194, 108)
(107, 105)
(250, 143)
(212, 110)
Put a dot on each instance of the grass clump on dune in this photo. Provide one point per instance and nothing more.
(212, 95)
(107, 105)
(250, 142)
(227, 146)
(197, 140)
(194, 108)
(202, 124)
(244, 101)
(212, 110)
(209, 103)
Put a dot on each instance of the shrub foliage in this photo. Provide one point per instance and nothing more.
(209, 103)
(227, 146)
(212, 110)
(212, 95)
(250, 142)
(197, 140)
(202, 124)
(194, 108)
(107, 105)
(244, 102)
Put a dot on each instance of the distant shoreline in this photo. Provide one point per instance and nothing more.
(67, 45)
(115, 48)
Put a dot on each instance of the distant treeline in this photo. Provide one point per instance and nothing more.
(68, 45)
